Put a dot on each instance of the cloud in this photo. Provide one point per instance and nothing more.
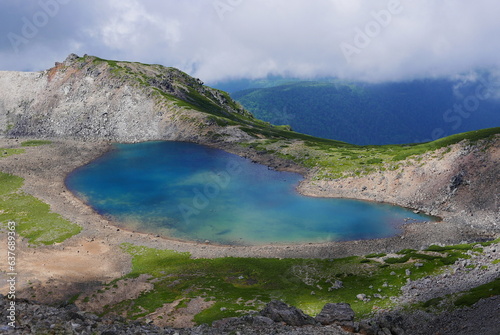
(377, 40)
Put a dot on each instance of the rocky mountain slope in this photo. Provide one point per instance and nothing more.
(458, 182)
(90, 98)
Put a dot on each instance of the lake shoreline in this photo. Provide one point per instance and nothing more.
(181, 191)
(47, 183)
(95, 255)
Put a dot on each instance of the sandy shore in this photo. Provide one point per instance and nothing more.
(94, 254)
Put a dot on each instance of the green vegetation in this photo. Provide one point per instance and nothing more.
(472, 296)
(35, 143)
(170, 85)
(10, 152)
(33, 218)
(396, 260)
(238, 285)
(72, 299)
(462, 247)
(336, 159)
(462, 299)
(432, 302)
(376, 255)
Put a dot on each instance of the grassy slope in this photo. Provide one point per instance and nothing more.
(33, 218)
(239, 285)
(338, 159)
(189, 92)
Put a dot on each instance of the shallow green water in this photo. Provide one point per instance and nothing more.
(193, 192)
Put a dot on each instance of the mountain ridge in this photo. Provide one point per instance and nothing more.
(87, 98)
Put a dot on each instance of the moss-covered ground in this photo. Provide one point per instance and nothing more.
(10, 152)
(335, 159)
(34, 219)
(239, 285)
(472, 296)
(460, 299)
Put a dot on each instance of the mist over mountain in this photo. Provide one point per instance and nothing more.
(383, 113)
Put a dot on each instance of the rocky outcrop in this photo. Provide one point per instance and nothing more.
(256, 324)
(341, 314)
(278, 311)
(33, 318)
(89, 98)
(458, 182)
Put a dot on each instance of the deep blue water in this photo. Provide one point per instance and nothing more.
(193, 192)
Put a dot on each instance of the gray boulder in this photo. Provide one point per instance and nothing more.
(341, 314)
(278, 311)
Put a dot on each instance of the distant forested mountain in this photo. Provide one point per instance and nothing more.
(388, 113)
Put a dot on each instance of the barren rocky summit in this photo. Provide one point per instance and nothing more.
(88, 98)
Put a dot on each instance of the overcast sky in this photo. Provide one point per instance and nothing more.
(228, 39)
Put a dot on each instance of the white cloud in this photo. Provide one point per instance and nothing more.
(220, 39)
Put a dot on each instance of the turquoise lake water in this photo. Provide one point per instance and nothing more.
(192, 192)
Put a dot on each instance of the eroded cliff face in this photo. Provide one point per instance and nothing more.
(89, 98)
(459, 182)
